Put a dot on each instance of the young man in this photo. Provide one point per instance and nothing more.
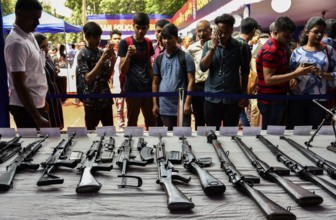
(135, 63)
(25, 66)
(169, 76)
(203, 31)
(158, 46)
(227, 60)
(96, 67)
(118, 79)
(272, 67)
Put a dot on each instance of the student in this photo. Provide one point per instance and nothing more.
(25, 66)
(96, 67)
(169, 77)
(135, 63)
(323, 58)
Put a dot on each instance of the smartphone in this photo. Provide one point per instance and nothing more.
(307, 64)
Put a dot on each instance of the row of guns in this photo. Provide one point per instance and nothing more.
(100, 157)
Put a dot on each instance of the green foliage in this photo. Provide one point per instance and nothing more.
(8, 7)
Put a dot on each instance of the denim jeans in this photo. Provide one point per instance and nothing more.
(272, 113)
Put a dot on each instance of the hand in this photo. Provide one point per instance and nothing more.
(155, 110)
(303, 69)
(214, 38)
(243, 103)
(42, 123)
(187, 109)
(293, 84)
(131, 50)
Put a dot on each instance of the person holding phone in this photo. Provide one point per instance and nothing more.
(311, 53)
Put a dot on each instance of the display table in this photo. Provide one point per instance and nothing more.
(26, 200)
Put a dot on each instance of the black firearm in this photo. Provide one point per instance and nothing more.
(319, 161)
(210, 184)
(91, 164)
(125, 159)
(145, 151)
(22, 161)
(166, 175)
(245, 183)
(302, 196)
(304, 172)
(329, 118)
(57, 159)
(9, 149)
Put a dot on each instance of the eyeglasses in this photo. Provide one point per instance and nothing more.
(317, 32)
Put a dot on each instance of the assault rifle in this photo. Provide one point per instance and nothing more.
(302, 196)
(91, 164)
(22, 161)
(166, 174)
(245, 183)
(304, 172)
(328, 166)
(126, 159)
(9, 149)
(210, 184)
(56, 159)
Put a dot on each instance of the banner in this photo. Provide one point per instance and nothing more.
(194, 10)
(124, 23)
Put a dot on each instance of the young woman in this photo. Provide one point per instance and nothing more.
(55, 105)
(323, 58)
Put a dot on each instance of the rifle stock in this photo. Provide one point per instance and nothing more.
(302, 196)
(176, 199)
(88, 183)
(269, 208)
(302, 171)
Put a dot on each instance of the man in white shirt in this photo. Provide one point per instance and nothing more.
(25, 66)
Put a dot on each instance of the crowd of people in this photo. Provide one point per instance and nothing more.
(218, 61)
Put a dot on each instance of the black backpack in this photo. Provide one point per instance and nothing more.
(181, 59)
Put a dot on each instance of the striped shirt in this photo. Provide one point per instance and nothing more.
(273, 56)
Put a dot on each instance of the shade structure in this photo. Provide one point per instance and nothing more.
(48, 24)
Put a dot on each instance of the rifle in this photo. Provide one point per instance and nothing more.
(145, 152)
(330, 117)
(304, 172)
(9, 149)
(302, 196)
(245, 183)
(22, 161)
(56, 159)
(125, 159)
(166, 174)
(89, 166)
(328, 166)
(210, 184)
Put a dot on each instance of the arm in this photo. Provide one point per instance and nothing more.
(272, 79)
(107, 54)
(125, 61)
(155, 88)
(208, 52)
(187, 104)
(27, 100)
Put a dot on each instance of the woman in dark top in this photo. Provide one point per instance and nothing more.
(55, 105)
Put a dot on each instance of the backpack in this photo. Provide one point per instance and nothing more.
(181, 59)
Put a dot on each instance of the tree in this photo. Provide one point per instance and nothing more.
(8, 7)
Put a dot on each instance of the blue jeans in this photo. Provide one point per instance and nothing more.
(272, 113)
